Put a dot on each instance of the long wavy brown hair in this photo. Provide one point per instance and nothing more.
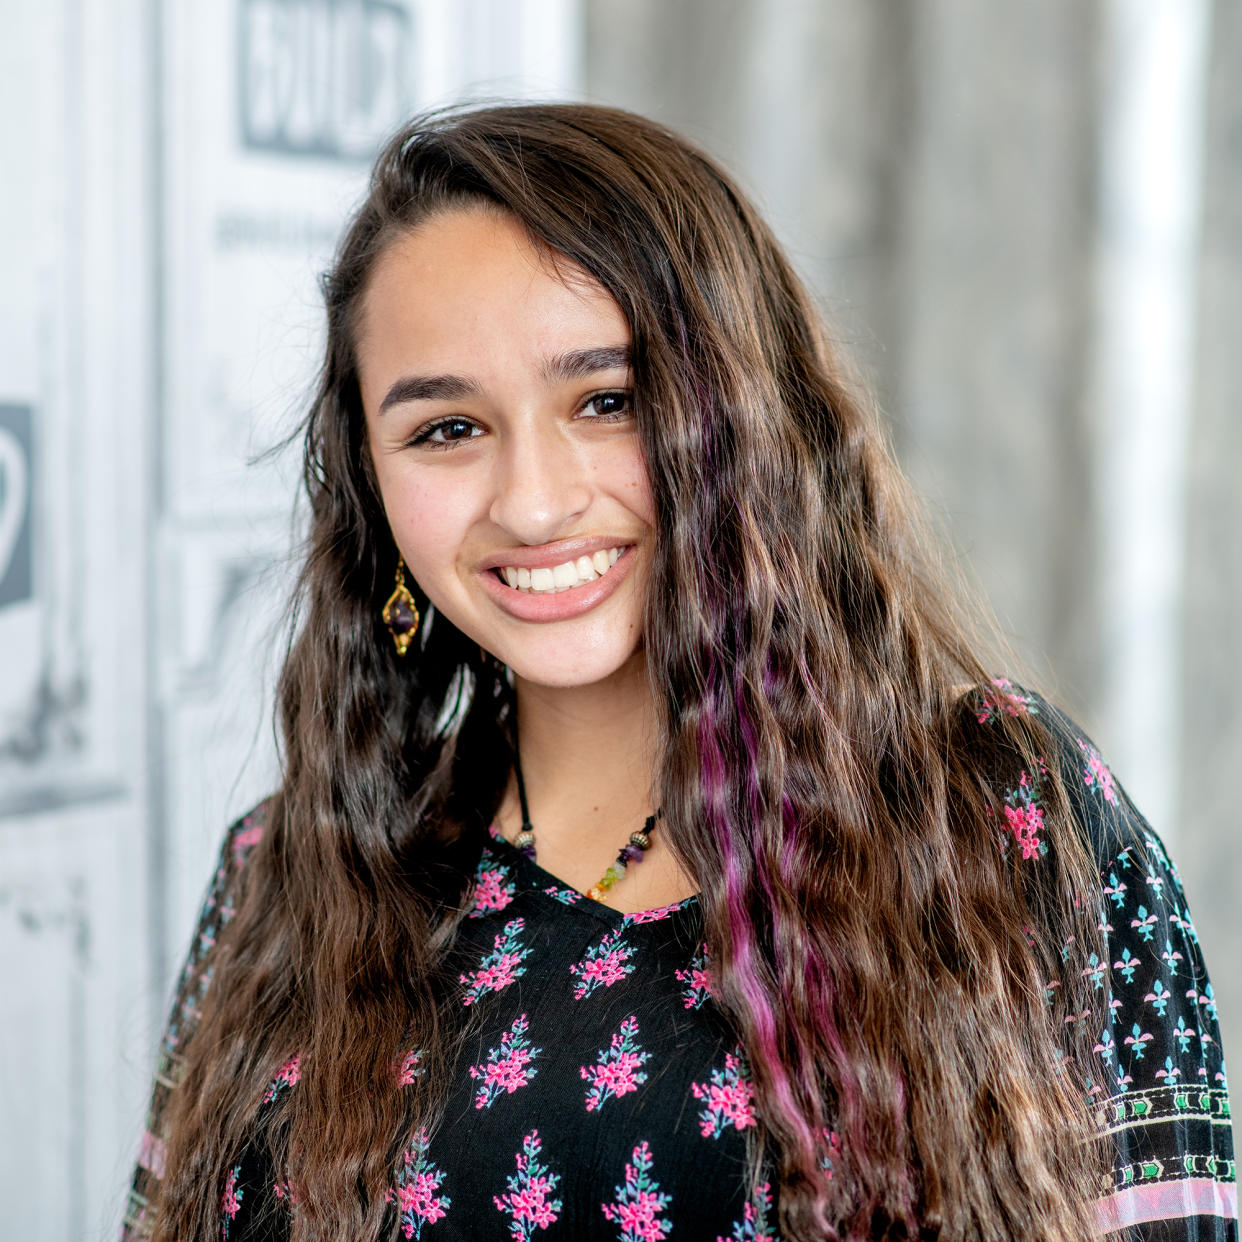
(884, 963)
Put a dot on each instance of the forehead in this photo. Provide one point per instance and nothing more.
(471, 280)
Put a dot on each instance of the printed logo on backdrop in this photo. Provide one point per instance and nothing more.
(16, 502)
(322, 78)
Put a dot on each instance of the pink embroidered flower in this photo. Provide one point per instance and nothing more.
(1026, 823)
(1003, 699)
(1024, 816)
(639, 1203)
(728, 1098)
(605, 970)
(230, 1201)
(409, 1069)
(492, 890)
(1096, 774)
(507, 1067)
(418, 1196)
(251, 834)
(618, 1069)
(418, 1182)
(605, 963)
(697, 980)
(527, 1203)
(660, 912)
(754, 1226)
(639, 1215)
(500, 967)
(287, 1076)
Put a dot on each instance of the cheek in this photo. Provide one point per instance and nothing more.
(632, 485)
(429, 519)
(643, 504)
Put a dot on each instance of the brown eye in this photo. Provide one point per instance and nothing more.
(446, 432)
(457, 429)
(610, 405)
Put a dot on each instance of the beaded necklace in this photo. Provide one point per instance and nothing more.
(631, 852)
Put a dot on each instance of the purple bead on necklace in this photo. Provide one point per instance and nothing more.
(631, 852)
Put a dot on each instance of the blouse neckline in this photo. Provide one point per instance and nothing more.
(539, 879)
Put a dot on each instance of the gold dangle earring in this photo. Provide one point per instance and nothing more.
(401, 613)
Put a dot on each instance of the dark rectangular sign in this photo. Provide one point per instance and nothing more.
(323, 78)
(17, 475)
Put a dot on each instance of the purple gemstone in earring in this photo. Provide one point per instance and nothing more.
(400, 613)
(401, 617)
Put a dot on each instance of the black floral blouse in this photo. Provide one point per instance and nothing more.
(604, 1096)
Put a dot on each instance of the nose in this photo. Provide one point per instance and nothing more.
(542, 486)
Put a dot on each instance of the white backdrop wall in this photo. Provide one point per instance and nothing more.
(176, 176)
(1026, 221)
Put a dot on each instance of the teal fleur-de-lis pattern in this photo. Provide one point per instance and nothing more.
(601, 1093)
(1162, 1091)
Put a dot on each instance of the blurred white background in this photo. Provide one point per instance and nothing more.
(1024, 221)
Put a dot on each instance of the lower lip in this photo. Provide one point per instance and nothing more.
(559, 605)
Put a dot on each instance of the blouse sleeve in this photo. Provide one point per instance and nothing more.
(192, 985)
(1162, 1092)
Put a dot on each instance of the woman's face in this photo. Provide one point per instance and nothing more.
(497, 399)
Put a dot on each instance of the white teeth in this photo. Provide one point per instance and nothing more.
(563, 577)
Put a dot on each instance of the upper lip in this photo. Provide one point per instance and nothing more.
(549, 555)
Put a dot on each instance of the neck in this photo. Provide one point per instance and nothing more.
(588, 754)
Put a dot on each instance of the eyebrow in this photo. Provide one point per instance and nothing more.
(429, 388)
(579, 363)
(571, 365)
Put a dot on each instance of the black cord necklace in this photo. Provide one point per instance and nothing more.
(631, 852)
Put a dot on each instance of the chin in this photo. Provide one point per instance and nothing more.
(563, 672)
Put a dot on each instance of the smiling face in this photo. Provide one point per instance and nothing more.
(496, 389)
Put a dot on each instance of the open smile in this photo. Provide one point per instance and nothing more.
(563, 577)
(561, 591)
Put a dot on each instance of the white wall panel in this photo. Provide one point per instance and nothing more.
(73, 399)
(73, 1048)
(75, 366)
(176, 176)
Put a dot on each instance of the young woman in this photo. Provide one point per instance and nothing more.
(655, 854)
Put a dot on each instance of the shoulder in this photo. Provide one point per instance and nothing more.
(237, 848)
(223, 888)
(218, 908)
(245, 833)
(1107, 821)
